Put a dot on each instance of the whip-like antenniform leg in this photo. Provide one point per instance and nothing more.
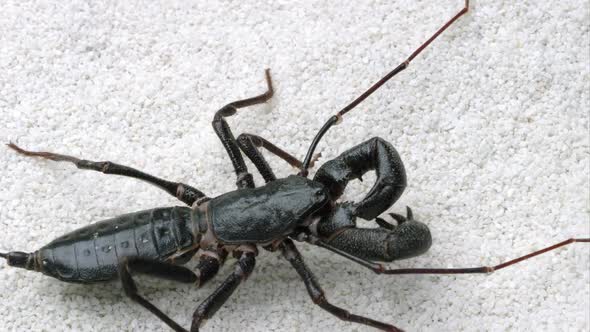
(380, 269)
(227, 138)
(338, 117)
(182, 191)
(316, 293)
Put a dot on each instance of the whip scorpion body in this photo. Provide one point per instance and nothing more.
(157, 242)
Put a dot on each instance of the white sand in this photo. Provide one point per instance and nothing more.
(491, 121)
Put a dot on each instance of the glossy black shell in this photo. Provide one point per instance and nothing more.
(92, 253)
(267, 213)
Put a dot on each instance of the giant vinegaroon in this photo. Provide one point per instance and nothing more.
(158, 241)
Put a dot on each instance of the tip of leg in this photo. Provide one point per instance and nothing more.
(18, 149)
(13, 146)
(270, 91)
(22, 151)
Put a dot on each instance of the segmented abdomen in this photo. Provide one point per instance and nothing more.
(92, 253)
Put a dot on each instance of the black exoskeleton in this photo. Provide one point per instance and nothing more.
(157, 242)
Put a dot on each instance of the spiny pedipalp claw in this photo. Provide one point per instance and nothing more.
(384, 224)
(409, 213)
(399, 218)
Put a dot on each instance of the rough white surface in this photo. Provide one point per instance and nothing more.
(491, 122)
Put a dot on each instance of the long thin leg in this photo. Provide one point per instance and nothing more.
(182, 191)
(380, 269)
(316, 293)
(250, 143)
(206, 269)
(227, 138)
(209, 307)
(338, 117)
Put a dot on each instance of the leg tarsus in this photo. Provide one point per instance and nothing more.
(46, 155)
(257, 99)
(183, 192)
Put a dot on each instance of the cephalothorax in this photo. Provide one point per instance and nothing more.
(157, 242)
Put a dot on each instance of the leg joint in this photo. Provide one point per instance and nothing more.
(255, 140)
(245, 265)
(227, 110)
(319, 299)
(245, 180)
